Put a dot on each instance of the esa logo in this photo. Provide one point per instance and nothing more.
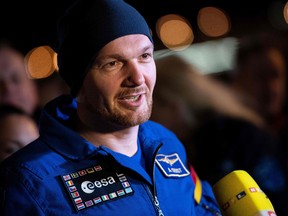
(89, 187)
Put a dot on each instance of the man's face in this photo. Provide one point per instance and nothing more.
(119, 85)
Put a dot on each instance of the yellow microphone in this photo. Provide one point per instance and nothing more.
(239, 195)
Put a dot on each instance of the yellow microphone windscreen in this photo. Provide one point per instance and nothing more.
(239, 195)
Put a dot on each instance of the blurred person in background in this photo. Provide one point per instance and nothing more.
(259, 77)
(15, 86)
(215, 126)
(17, 129)
(194, 98)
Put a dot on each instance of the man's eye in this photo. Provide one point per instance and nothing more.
(146, 57)
(111, 64)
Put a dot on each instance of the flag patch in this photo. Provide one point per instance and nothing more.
(95, 185)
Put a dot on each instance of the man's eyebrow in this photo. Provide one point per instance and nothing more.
(111, 56)
(151, 46)
(118, 56)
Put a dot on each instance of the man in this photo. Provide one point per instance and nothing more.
(97, 153)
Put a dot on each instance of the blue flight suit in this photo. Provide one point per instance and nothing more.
(61, 173)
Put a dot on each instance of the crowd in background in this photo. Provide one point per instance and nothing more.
(236, 121)
(21, 99)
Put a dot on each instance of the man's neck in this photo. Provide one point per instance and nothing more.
(122, 141)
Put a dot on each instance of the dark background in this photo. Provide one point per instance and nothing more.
(29, 24)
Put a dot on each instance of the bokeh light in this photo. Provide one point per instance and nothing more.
(213, 22)
(41, 62)
(278, 15)
(174, 31)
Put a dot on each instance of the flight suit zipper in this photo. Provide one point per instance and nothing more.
(154, 195)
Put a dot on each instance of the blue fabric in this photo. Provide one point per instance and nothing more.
(32, 179)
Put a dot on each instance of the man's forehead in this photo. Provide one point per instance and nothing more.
(136, 43)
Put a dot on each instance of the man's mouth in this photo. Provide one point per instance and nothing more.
(131, 98)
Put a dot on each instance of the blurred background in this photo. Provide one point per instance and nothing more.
(33, 23)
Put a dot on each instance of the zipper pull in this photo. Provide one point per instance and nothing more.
(156, 202)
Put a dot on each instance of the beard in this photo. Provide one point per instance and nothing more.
(126, 118)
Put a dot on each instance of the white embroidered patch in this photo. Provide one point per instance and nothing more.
(171, 165)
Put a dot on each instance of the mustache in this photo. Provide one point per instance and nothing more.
(131, 91)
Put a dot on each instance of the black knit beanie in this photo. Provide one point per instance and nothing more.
(86, 27)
